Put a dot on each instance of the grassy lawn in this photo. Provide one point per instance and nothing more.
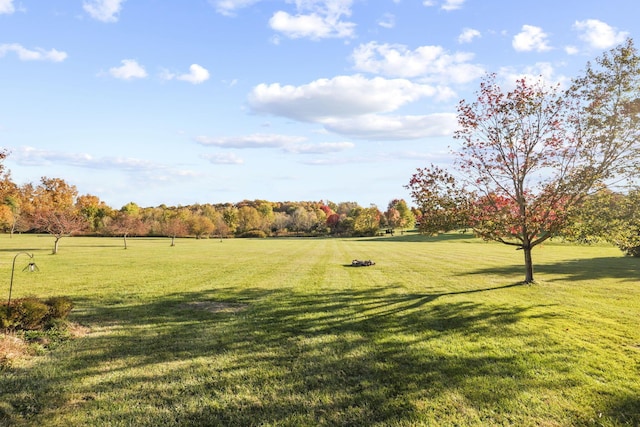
(284, 332)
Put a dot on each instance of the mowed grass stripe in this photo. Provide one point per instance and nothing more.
(438, 332)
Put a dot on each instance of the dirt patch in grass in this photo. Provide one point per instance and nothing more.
(77, 331)
(11, 348)
(216, 306)
(15, 347)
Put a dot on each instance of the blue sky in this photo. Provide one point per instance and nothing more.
(213, 101)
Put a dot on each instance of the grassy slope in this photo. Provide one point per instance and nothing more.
(438, 332)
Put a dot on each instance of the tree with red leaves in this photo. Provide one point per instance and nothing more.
(127, 222)
(54, 209)
(529, 156)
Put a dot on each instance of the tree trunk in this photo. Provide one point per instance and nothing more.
(125, 241)
(528, 264)
(173, 240)
(55, 245)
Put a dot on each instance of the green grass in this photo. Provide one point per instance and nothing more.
(438, 332)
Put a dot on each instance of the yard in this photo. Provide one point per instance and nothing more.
(287, 332)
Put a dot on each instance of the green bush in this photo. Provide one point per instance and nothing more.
(6, 322)
(31, 313)
(259, 234)
(59, 307)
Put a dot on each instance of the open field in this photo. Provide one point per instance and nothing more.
(285, 332)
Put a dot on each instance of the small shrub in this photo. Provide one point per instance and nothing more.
(633, 251)
(31, 313)
(34, 314)
(254, 234)
(59, 307)
(5, 320)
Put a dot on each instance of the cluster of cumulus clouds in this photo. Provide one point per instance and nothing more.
(130, 69)
(105, 11)
(363, 105)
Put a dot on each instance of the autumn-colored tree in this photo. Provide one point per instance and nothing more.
(175, 225)
(127, 222)
(627, 235)
(443, 202)
(280, 223)
(608, 216)
(530, 155)
(608, 122)
(346, 208)
(249, 219)
(332, 222)
(54, 209)
(200, 225)
(8, 219)
(221, 229)
(367, 221)
(303, 220)
(398, 215)
(267, 215)
(328, 211)
(24, 207)
(94, 211)
(230, 218)
(10, 207)
(9, 198)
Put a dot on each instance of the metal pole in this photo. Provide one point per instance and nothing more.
(13, 268)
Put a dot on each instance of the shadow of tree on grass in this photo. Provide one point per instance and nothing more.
(622, 268)
(349, 357)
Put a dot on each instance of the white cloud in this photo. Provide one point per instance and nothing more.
(342, 96)
(228, 7)
(571, 50)
(223, 159)
(354, 106)
(196, 75)
(542, 72)
(312, 26)
(320, 148)
(467, 35)
(315, 19)
(430, 62)
(378, 127)
(6, 6)
(452, 4)
(387, 21)
(529, 39)
(38, 54)
(258, 140)
(447, 5)
(599, 35)
(31, 156)
(141, 171)
(129, 69)
(289, 144)
(103, 10)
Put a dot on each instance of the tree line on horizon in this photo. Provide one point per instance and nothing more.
(54, 206)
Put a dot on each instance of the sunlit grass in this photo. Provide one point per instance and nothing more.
(438, 332)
